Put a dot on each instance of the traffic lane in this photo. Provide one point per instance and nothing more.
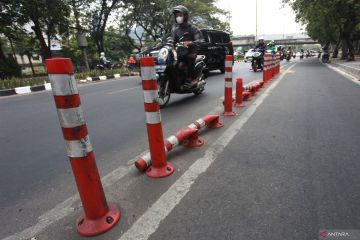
(100, 113)
(32, 142)
(117, 129)
(40, 168)
(292, 171)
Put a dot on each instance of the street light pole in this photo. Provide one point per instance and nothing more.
(256, 36)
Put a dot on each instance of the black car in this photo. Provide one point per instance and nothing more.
(217, 45)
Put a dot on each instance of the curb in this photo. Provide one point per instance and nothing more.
(24, 90)
(355, 72)
(101, 78)
(47, 86)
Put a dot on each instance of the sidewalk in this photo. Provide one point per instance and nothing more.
(352, 68)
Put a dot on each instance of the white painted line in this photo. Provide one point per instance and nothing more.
(123, 90)
(66, 207)
(346, 75)
(358, 69)
(148, 223)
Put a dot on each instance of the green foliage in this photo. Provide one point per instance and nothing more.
(156, 19)
(329, 20)
(20, 82)
(32, 25)
(9, 68)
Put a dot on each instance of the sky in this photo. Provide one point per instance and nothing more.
(272, 17)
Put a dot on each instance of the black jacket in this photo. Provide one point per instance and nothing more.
(194, 35)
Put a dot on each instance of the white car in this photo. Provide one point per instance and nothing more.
(248, 55)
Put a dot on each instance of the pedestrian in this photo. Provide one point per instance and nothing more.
(131, 62)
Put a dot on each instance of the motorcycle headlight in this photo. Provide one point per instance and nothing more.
(163, 54)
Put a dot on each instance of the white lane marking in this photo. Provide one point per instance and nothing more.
(123, 90)
(67, 207)
(347, 66)
(148, 223)
(345, 74)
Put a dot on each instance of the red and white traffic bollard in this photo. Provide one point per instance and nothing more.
(99, 216)
(277, 63)
(228, 87)
(273, 65)
(267, 67)
(170, 143)
(210, 121)
(239, 93)
(160, 167)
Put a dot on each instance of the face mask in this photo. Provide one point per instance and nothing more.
(179, 20)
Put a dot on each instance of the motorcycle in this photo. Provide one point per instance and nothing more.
(288, 56)
(107, 65)
(171, 78)
(325, 57)
(257, 61)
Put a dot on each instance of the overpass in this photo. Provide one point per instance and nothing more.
(249, 41)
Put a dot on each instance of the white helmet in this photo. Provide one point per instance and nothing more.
(261, 39)
(102, 54)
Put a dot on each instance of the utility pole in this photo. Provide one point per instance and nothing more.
(256, 36)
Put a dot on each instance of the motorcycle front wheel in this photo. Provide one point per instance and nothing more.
(164, 93)
(254, 67)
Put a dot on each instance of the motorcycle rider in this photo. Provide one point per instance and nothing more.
(262, 47)
(190, 34)
(261, 44)
(271, 46)
(103, 61)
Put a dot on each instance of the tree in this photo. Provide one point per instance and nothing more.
(148, 20)
(98, 16)
(327, 20)
(9, 18)
(47, 16)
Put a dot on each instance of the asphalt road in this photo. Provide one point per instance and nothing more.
(291, 170)
(35, 174)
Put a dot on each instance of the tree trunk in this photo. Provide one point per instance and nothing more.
(31, 65)
(351, 56)
(336, 49)
(39, 34)
(2, 55)
(12, 49)
(344, 47)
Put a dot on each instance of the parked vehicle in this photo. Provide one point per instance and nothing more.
(217, 44)
(171, 78)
